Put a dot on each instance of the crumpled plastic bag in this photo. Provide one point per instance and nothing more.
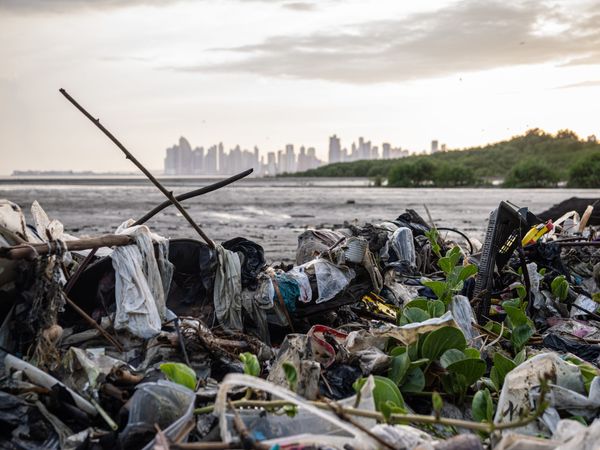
(331, 279)
(567, 393)
(141, 281)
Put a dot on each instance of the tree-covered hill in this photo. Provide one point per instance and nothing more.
(534, 159)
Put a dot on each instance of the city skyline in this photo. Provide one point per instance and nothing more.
(182, 159)
(267, 73)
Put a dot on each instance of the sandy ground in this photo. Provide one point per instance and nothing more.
(271, 212)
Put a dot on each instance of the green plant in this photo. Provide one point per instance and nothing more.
(517, 321)
(455, 276)
(463, 368)
(502, 366)
(386, 395)
(251, 364)
(483, 406)
(291, 375)
(180, 373)
(560, 287)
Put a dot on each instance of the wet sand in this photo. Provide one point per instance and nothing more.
(270, 212)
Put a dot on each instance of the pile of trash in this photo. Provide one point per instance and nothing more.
(394, 335)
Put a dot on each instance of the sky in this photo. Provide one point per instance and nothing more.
(273, 72)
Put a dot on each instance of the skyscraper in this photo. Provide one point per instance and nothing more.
(335, 151)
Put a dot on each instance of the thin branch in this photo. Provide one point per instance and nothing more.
(139, 165)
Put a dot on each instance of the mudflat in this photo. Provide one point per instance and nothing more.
(272, 212)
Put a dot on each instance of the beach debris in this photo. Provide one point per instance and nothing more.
(380, 336)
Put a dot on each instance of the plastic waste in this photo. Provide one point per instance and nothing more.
(402, 243)
(583, 301)
(310, 425)
(535, 233)
(588, 352)
(252, 259)
(298, 274)
(521, 388)
(167, 404)
(331, 279)
(41, 378)
(465, 318)
(312, 243)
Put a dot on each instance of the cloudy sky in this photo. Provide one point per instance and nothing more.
(271, 72)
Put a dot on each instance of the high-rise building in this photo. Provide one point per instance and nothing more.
(290, 159)
(434, 146)
(335, 152)
(385, 150)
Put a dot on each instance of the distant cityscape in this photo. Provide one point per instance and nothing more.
(181, 159)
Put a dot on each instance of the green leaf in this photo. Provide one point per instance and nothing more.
(414, 380)
(483, 407)
(471, 352)
(291, 375)
(414, 350)
(388, 408)
(251, 364)
(399, 367)
(436, 308)
(420, 303)
(467, 271)
(398, 350)
(439, 288)
(560, 287)
(437, 402)
(495, 378)
(520, 335)
(516, 315)
(442, 339)
(446, 265)
(290, 410)
(521, 357)
(521, 291)
(454, 254)
(472, 369)
(180, 373)
(451, 356)
(432, 235)
(418, 362)
(413, 315)
(385, 391)
(503, 365)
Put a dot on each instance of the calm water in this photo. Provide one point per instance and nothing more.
(271, 212)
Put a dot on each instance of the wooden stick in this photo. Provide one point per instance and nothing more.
(93, 323)
(30, 251)
(191, 194)
(128, 155)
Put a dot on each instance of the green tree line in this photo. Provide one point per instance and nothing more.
(534, 159)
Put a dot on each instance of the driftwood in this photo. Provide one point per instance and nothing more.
(32, 250)
(192, 194)
(152, 178)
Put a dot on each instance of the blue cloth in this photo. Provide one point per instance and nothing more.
(290, 290)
